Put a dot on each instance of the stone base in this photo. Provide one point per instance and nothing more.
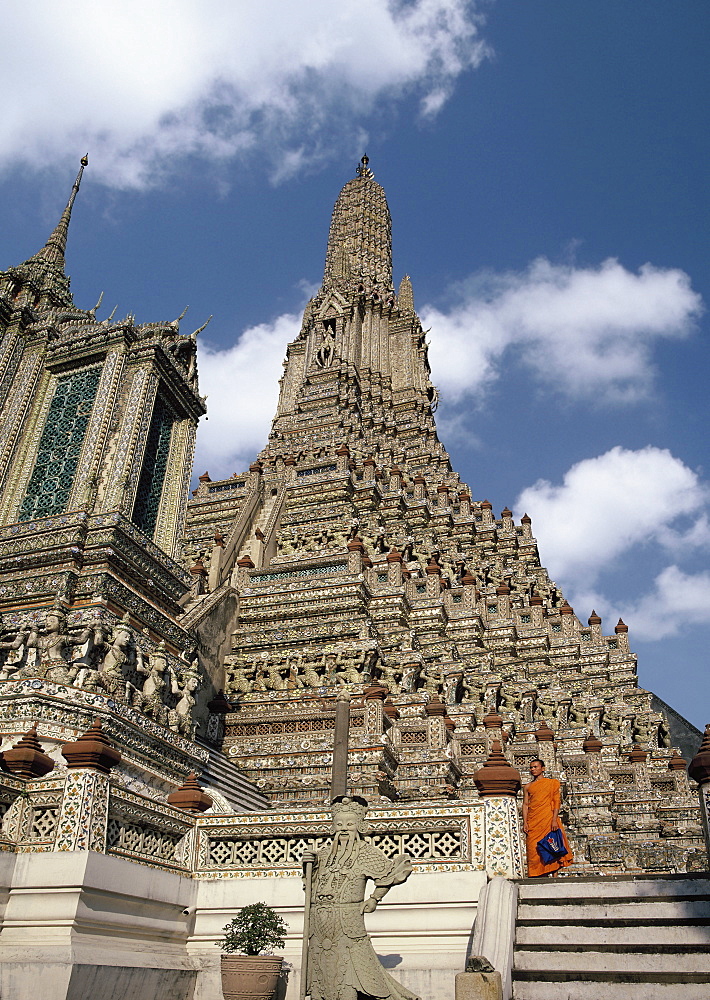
(479, 986)
(81, 924)
(100, 982)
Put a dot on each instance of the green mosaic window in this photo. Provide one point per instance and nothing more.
(155, 461)
(52, 478)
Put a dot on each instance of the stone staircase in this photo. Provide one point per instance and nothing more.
(222, 775)
(631, 937)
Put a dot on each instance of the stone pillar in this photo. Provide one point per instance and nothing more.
(419, 487)
(215, 577)
(537, 611)
(503, 600)
(355, 553)
(569, 622)
(369, 466)
(433, 579)
(487, 511)
(290, 468)
(468, 581)
(190, 796)
(242, 575)
(494, 930)
(254, 477)
(622, 636)
(464, 503)
(442, 495)
(339, 777)
(374, 696)
(394, 568)
(699, 770)
(498, 785)
(595, 624)
(343, 458)
(27, 759)
(218, 708)
(83, 817)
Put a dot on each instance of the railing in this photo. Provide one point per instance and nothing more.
(44, 815)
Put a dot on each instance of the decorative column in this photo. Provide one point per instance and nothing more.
(83, 817)
(355, 553)
(498, 785)
(699, 770)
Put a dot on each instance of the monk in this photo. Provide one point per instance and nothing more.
(541, 808)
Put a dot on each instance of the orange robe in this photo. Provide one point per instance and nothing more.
(543, 799)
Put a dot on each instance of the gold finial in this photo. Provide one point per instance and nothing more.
(362, 168)
(85, 160)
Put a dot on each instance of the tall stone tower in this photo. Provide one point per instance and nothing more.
(361, 561)
(97, 430)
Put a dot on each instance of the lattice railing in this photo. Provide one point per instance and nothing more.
(286, 851)
(145, 841)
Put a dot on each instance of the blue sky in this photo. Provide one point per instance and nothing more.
(545, 166)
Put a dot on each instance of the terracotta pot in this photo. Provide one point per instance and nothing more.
(250, 977)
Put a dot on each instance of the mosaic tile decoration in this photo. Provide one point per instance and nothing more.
(52, 479)
(150, 484)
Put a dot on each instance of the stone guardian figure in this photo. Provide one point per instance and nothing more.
(342, 964)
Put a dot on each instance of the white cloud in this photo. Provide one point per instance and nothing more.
(145, 84)
(613, 511)
(608, 504)
(584, 332)
(241, 384)
(677, 599)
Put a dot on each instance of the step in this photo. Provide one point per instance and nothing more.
(577, 911)
(594, 990)
(630, 963)
(581, 888)
(653, 935)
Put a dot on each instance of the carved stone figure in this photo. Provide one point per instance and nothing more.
(238, 679)
(90, 663)
(433, 676)
(112, 673)
(350, 672)
(181, 717)
(7, 646)
(342, 964)
(310, 674)
(326, 350)
(54, 645)
(151, 699)
(389, 676)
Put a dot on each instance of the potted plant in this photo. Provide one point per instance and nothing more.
(253, 934)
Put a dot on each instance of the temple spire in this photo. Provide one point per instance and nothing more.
(43, 274)
(360, 240)
(54, 249)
